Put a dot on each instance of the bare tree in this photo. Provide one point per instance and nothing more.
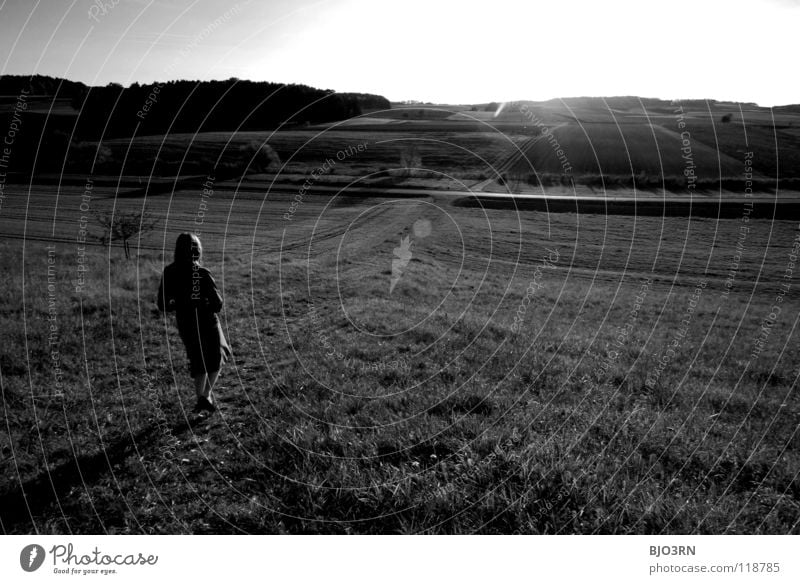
(124, 225)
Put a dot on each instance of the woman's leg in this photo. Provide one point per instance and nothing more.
(200, 382)
(211, 380)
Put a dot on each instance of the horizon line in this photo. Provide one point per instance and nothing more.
(407, 101)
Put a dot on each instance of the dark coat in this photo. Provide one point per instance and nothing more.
(189, 290)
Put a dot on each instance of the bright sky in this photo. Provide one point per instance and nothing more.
(445, 51)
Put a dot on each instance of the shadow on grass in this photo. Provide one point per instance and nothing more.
(43, 496)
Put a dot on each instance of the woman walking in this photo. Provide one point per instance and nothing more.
(188, 289)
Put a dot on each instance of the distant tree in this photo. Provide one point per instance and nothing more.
(410, 160)
(123, 226)
(255, 156)
(492, 107)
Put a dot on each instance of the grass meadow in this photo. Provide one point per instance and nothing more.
(528, 373)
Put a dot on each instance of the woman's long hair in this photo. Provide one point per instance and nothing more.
(188, 249)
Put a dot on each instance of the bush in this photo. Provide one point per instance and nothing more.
(673, 183)
(253, 157)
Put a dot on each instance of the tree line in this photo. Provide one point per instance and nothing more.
(114, 111)
(87, 115)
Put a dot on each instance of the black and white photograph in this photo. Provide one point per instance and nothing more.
(352, 267)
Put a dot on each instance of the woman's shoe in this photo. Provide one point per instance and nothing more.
(204, 405)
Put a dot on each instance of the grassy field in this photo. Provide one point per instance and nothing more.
(632, 149)
(607, 144)
(460, 154)
(529, 373)
(521, 372)
(775, 146)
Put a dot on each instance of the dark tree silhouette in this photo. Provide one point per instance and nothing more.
(122, 226)
(102, 113)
